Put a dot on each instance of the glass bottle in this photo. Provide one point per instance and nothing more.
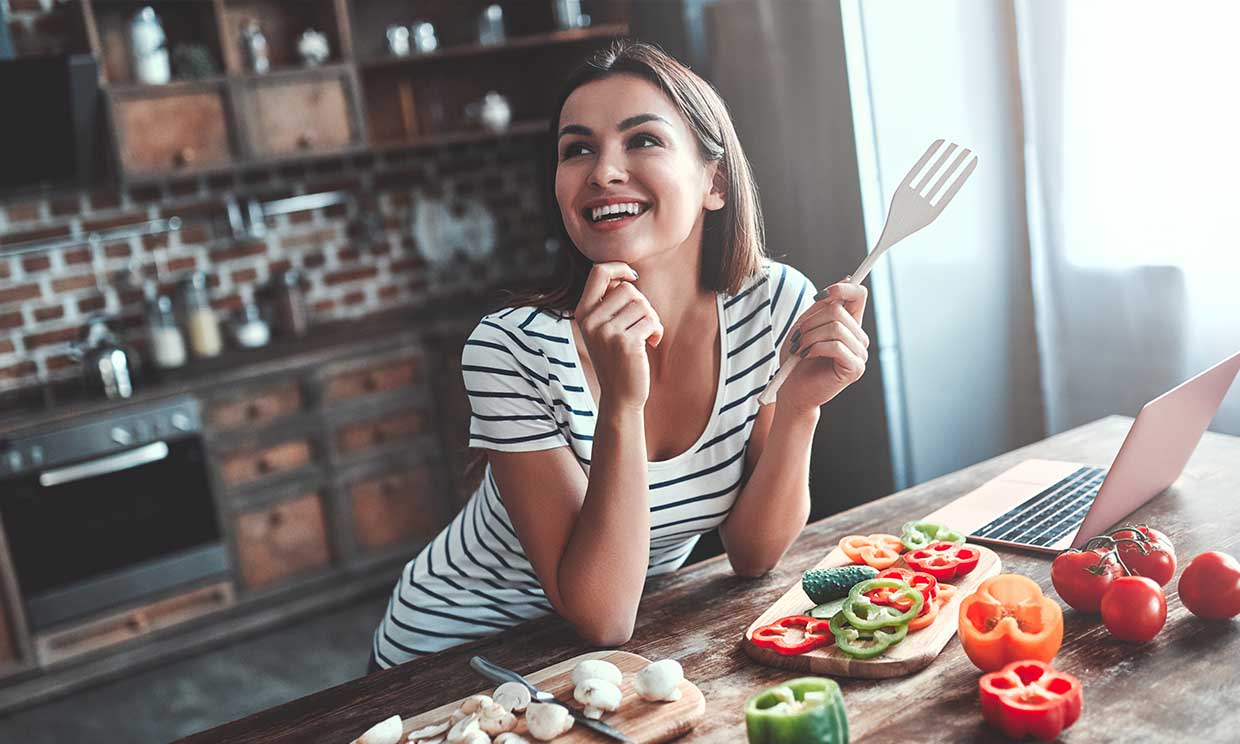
(167, 343)
(200, 318)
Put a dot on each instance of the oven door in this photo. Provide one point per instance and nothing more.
(106, 531)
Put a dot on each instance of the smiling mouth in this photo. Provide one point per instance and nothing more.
(614, 212)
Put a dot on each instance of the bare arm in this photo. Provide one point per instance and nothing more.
(774, 503)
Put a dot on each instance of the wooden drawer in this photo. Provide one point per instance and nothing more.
(263, 407)
(184, 131)
(376, 378)
(392, 509)
(239, 468)
(281, 541)
(126, 626)
(378, 433)
(289, 116)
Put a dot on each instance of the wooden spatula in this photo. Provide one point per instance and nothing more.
(912, 208)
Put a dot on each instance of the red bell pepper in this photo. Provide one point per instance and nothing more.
(944, 561)
(1029, 698)
(781, 635)
(922, 582)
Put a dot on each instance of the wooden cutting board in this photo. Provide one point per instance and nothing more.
(642, 721)
(912, 654)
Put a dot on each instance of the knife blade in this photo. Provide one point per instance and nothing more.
(499, 675)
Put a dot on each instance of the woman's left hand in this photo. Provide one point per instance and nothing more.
(832, 346)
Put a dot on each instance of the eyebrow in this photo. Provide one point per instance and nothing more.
(628, 123)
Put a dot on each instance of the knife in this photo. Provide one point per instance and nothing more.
(499, 675)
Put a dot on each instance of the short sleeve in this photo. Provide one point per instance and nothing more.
(506, 381)
(791, 295)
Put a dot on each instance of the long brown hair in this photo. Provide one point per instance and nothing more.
(733, 242)
(732, 237)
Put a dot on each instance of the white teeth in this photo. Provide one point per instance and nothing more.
(600, 212)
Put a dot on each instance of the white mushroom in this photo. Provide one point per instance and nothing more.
(475, 703)
(462, 732)
(547, 720)
(660, 681)
(596, 669)
(513, 696)
(495, 719)
(428, 734)
(457, 716)
(476, 737)
(387, 731)
(511, 738)
(599, 696)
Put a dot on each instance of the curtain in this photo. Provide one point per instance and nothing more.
(1132, 146)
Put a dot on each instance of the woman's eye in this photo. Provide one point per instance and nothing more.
(644, 140)
(572, 150)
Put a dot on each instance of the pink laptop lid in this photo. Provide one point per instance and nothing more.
(1158, 446)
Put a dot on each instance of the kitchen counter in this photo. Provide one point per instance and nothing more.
(35, 409)
(1182, 683)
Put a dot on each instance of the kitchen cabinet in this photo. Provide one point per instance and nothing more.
(298, 113)
(258, 408)
(394, 507)
(247, 466)
(282, 541)
(176, 129)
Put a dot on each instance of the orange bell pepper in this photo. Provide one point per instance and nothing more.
(1008, 619)
(880, 551)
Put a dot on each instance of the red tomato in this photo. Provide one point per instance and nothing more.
(1134, 608)
(1081, 577)
(1210, 586)
(1157, 563)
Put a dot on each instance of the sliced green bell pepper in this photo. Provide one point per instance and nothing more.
(919, 534)
(862, 613)
(806, 710)
(865, 644)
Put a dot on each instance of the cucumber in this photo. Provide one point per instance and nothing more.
(826, 610)
(825, 584)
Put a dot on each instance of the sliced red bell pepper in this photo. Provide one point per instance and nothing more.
(1029, 698)
(944, 561)
(880, 551)
(782, 635)
(922, 582)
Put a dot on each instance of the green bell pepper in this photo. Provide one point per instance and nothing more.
(865, 644)
(806, 710)
(862, 613)
(919, 534)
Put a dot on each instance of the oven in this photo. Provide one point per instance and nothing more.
(106, 511)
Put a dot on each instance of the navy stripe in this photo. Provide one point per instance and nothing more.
(505, 373)
(791, 317)
(729, 433)
(407, 649)
(478, 537)
(512, 336)
(566, 386)
(695, 499)
(582, 437)
(430, 569)
(770, 355)
(554, 339)
(678, 557)
(435, 633)
(553, 360)
(779, 288)
(496, 394)
(707, 471)
(744, 398)
(529, 318)
(745, 293)
(723, 513)
(572, 410)
(748, 317)
(509, 311)
(536, 417)
(513, 440)
(450, 616)
(750, 342)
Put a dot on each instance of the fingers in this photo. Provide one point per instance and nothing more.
(600, 280)
(853, 297)
(648, 329)
(839, 330)
(616, 299)
(847, 362)
(825, 316)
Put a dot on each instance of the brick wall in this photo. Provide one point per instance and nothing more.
(45, 297)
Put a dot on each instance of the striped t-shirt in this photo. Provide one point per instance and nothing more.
(527, 392)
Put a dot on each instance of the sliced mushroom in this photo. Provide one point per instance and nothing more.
(387, 731)
(495, 719)
(596, 669)
(547, 720)
(428, 734)
(511, 738)
(660, 681)
(514, 696)
(464, 729)
(457, 716)
(599, 697)
(475, 703)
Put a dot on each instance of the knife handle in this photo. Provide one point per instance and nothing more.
(498, 674)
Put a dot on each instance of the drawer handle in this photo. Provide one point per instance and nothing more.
(265, 466)
(254, 411)
(275, 519)
(305, 140)
(380, 435)
(185, 156)
(370, 383)
(389, 487)
(138, 622)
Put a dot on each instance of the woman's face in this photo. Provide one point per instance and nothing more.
(624, 146)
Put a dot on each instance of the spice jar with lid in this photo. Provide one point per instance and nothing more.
(163, 333)
(200, 318)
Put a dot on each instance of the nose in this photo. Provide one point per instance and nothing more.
(609, 168)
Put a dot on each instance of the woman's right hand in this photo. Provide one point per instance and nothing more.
(616, 322)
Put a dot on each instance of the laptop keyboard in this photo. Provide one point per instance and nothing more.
(1047, 517)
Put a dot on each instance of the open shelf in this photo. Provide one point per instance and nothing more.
(517, 129)
(572, 36)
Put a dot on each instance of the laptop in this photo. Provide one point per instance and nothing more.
(1050, 506)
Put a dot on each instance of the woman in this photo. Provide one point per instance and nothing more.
(618, 413)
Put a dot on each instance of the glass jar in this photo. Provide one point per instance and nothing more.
(163, 334)
(200, 318)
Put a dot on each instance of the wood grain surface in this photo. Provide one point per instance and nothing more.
(912, 654)
(1180, 686)
(642, 721)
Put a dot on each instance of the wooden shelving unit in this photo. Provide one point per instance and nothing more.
(362, 99)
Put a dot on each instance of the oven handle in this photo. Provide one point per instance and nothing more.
(142, 456)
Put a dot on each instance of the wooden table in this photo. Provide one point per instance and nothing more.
(1186, 681)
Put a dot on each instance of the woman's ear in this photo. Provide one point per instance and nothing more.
(718, 195)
